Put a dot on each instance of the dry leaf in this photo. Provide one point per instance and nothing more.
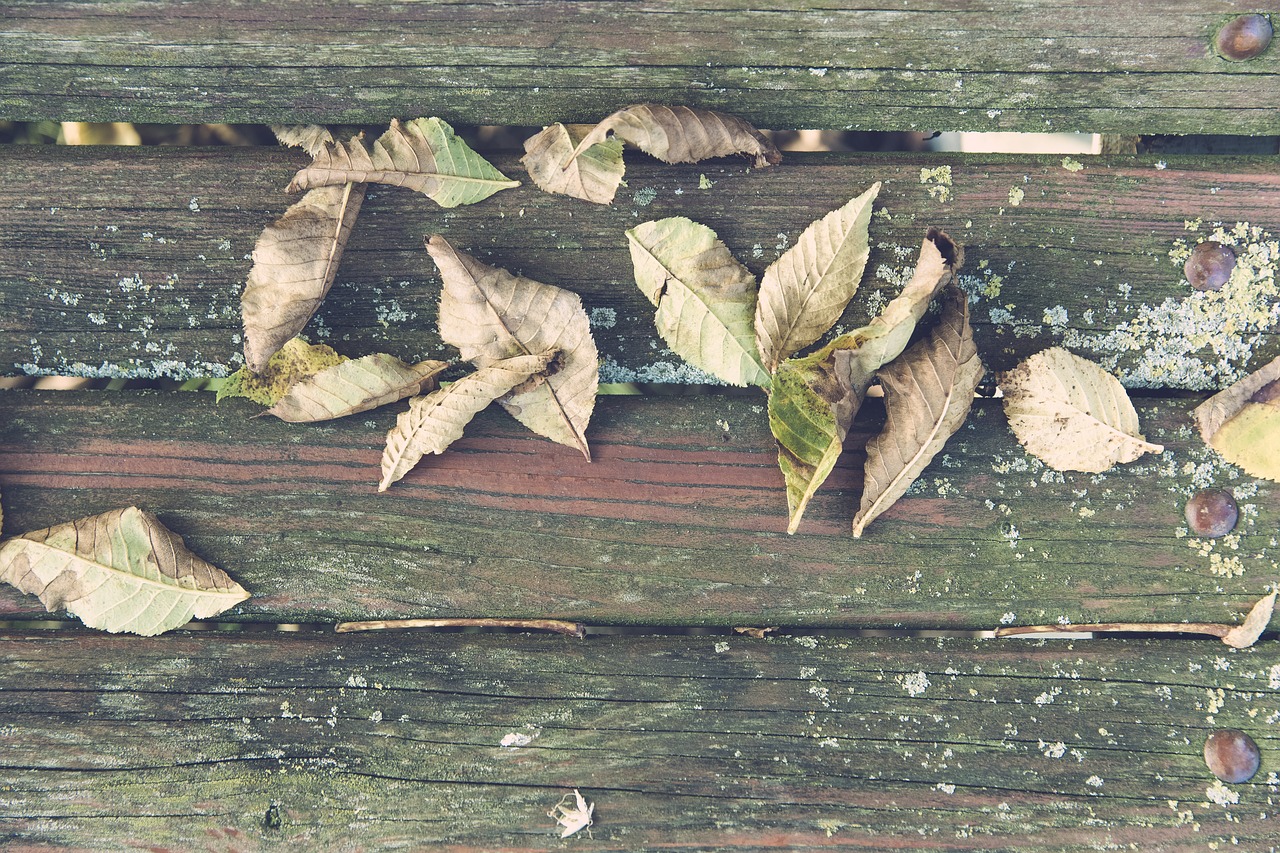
(594, 175)
(355, 386)
(681, 135)
(572, 817)
(804, 292)
(927, 395)
(295, 361)
(119, 571)
(815, 398)
(1243, 422)
(1072, 414)
(437, 420)
(1245, 634)
(490, 314)
(294, 263)
(423, 155)
(705, 298)
(311, 138)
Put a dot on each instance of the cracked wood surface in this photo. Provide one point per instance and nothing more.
(1003, 65)
(680, 520)
(221, 742)
(131, 262)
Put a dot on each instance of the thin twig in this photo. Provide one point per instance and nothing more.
(1209, 628)
(557, 626)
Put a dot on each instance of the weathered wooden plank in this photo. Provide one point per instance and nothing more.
(711, 743)
(680, 518)
(936, 65)
(131, 262)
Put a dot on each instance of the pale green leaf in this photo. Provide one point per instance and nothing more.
(1072, 414)
(355, 386)
(705, 298)
(423, 155)
(928, 392)
(294, 263)
(1243, 422)
(437, 420)
(815, 398)
(119, 571)
(804, 292)
(490, 314)
(594, 175)
(295, 361)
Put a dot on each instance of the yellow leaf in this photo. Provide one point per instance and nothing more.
(1243, 422)
(295, 361)
(594, 175)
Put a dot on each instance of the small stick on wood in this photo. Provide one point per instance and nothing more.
(557, 626)
(1237, 636)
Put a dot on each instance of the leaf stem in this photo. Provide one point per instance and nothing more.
(557, 626)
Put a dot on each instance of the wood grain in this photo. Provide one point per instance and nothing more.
(680, 520)
(128, 262)
(1003, 65)
(244, 742)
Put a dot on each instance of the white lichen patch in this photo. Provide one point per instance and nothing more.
(1016, 195)
(1204, 340)
(938, 181)
(1094, 781)
(1221, 794)
(658, 371)
(915, 683)
(603, 318)
(1053, 750)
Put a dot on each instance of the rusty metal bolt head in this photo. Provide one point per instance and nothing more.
(1210, 265)
(1232, 755)
(1244, 37)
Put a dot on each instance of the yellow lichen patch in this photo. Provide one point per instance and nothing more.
(1071, 165)
(1203, 340)
(295, 360)
(938, 180)
(1016, 194)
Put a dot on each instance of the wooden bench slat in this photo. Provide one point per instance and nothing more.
(722, 742)
(679, 520)
(1003, 65)
(131, 262)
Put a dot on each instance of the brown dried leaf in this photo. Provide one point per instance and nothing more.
(594, 175)
(355, 386)
(928, 392)
(437, 420)
(490, 314)
(805, 291)
(294, 262)
(311, 138)
(814, 398)
(119, 571)
(1072, 414)
(681, 135)
(423, 155)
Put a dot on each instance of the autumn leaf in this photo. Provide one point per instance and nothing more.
(311, 138)
(423, 155)
(805, 291)
(594, 175)
(119, 571)
(815, 398)
(705, 298)
(681, 135)
(1243, 422)
(355, 386)
(296, 360)
(928, 392)
(437, 420)
(294, 264)
(490, 314)
(1072, 414)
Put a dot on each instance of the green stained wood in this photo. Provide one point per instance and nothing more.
(129, 262)
(679, 520)
(1005, 65)
(722, 743)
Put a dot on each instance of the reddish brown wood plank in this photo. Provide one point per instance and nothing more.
(679, 520)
